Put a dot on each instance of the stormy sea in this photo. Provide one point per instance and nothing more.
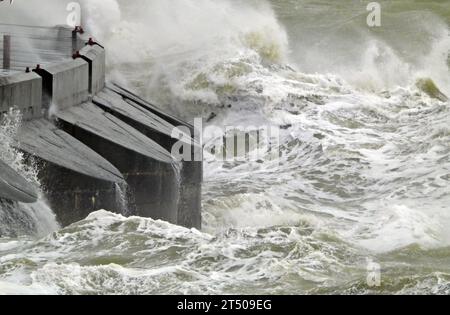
(360, 190)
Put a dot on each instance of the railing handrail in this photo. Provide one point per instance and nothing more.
(26, 26)
(48, 44)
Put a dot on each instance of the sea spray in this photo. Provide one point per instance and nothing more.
(9, 125)
(365, 169)
(429, 87)
(16, 218)
(177, 169)
(122, 195)
(180, 53)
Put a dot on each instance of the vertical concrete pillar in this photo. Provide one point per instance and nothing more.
(7, 52)
(162, 191)
(74, 41)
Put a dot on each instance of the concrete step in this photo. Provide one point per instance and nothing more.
(44, 140)
(92, 119)
(14, 187)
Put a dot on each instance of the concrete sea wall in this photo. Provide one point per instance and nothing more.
(23, 91)
(119, 145)
(65, 84)
(95, 56)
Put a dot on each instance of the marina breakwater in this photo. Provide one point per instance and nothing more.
(96, 145)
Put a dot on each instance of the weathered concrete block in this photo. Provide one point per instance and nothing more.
(14, 187)
(73, 196)
(65, 84)
(182, 186)
(24, 91)
(41, 138)
(96, 58)
(65, 33)
(152, 186)
(190, 204)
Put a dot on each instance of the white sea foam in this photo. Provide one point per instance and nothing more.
(17, 218)
(364, 170)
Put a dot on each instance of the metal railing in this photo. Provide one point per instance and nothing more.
(23, 46)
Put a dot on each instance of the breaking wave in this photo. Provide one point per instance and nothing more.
(18, 219)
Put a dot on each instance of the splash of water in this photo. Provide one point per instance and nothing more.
(16, 218)
(364, 170)
(121, 190)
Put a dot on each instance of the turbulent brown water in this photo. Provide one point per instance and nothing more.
(364, 173)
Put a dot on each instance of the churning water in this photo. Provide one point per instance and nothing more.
(364, 172)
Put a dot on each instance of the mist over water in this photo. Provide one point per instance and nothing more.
(364, 172)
